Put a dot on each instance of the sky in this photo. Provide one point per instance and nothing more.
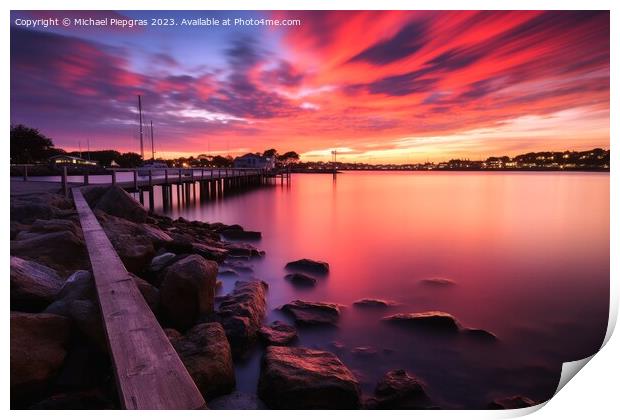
(377, 86)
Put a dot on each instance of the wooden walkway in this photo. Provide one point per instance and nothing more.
(149, 373)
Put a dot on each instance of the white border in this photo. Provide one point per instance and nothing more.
(593, 394)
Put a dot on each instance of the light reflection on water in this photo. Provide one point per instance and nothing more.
(529, 253)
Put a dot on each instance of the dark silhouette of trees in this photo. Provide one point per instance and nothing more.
(288, 158)
(28, 145)
(129, 160)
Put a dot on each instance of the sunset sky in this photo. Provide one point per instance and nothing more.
(377, 86)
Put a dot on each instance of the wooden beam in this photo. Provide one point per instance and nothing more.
(149, 373)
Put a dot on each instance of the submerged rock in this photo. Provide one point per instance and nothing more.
(33, 286)
(304, 379)
(38, 349)
(205, 352)
(187, 291)
(240, 234)
(432, 320)
(480, 334)
(278, 334)
(441, 282)
(210, 252)
(313, 313)
(237, 401)
(241, 314)
(308, 265)
(374, 303)
(364, 351)
(398, 390)
(509, 403)
(242, 250)
(300, 279)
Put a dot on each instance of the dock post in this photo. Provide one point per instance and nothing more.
(150, 177)
(65, 187)
(113, 177)
(166, 176)
(152, 198)
(25, 172)
(86, 178)
(135, 179)
(141, 196)
(180, 175)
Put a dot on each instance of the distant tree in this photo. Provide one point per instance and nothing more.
(270, 153)
(129, 160)
(288, 158)
(28, 145)
(221, 161)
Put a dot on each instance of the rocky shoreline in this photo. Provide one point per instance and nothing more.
(59, 356)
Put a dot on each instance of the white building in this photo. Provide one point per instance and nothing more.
(254, 161)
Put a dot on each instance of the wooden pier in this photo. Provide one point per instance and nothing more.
(149, 373)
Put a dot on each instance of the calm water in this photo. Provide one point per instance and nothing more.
(529, 253)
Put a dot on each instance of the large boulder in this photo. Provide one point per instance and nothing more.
(187, 291)
(28, 208)
(56, 225)
(38, 349)
(241, 314)
(301, 279)
(205, 352)
(313, 313)
(63, 251)
(149, 292)
(305, 379)
(371, 303)
(278, 334)
(33, 286)
(435, 321)
(210, 252)
(308, 265)
(398, 390)
(77, 301)
(117, 202)
(91, 399)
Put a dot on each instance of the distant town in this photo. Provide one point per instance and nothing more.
(30, 147)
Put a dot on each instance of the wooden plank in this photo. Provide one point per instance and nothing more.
(149, 373)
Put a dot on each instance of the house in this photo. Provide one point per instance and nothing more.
(254, 161)
(67, 160)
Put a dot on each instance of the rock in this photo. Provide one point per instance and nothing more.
(480, 334)
(509, 403)
(56, 225)
(240, 235)
(312, 313)
(79, 285)
(434, 321)
(374, 303)
(33, 286)
(159, 262)
(92, 399)
(312, 266)
(440, 282)
(38, 349)
(364, 351)
(205, 352)
(62, 251)
(398, 390)
(149, 292)
(229, 272)
(181, 244)
(117, 202)
(241, 314)
(210, 252)
(77, 300)
(304, 379)
(278, 334)
(187, 291)
(28, 212)
(157, 236)
(134, 245)
(300, 279)
(243, 250)
(238, 266)
(237, 401)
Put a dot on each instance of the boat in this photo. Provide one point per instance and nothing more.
(152, 167)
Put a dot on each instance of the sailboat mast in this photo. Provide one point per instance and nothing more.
(141, 139)
(152, 144)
